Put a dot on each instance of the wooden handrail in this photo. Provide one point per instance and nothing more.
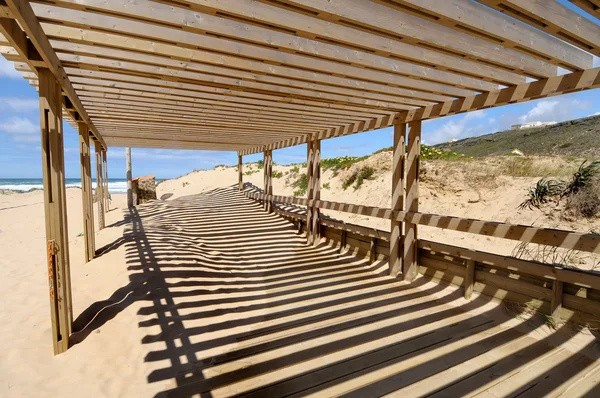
(523, 233)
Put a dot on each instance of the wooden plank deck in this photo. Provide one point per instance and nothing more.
(238, 305)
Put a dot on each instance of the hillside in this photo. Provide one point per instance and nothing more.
(579, 137)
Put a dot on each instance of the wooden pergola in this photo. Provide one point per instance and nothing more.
(256, 76)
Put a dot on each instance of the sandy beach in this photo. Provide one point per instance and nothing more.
(122, 335)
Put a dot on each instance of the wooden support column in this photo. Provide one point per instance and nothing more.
(268, 170)
(57, 243)
(409, 239)
(105, 179)
(313, 174)
(129, 176)
(240, 173)
(469, 278)
(99, 186)
(86, 192)
(398, 194)
(557, 300)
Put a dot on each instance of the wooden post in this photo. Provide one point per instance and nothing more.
(469, 279)
(343, 240)
(409, 239)
(313, 174)
(398, 194)
(557, 299)
(99, 186)
(373, 250)
(105, 179)
(86, 191)
(129, 176)
(240, 174)
(268, 170)
(57, 243)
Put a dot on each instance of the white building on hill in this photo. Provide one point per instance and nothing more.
(531, 125)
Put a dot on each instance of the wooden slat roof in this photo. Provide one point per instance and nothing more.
(250, 75)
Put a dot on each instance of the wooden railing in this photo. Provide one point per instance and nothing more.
(522, 233)
(560, 291)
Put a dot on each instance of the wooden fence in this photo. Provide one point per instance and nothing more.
(560, 291)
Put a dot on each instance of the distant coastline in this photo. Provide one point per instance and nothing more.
(115, 185)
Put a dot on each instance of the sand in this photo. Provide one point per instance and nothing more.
(113, 358)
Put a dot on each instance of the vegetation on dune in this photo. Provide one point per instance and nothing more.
(277, 174)
(580, 137)
(340, 163)
(583, 177)
(301, 185)
(358, 177)
(582, 191)
(543, 191)
(431, 153)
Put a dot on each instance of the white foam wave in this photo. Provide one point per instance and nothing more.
(113, 187)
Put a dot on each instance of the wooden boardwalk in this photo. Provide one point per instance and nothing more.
(236, 304)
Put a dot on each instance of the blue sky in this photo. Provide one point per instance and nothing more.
(20, 155)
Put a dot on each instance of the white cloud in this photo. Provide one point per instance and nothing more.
(8, 70)
(21, 129)
(554, 110)
(470, 125)
(19, 104)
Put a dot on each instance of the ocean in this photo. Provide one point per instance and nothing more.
(115, 185)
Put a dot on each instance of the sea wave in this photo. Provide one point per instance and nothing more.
(113, 187)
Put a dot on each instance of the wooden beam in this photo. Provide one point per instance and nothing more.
(588, 5)
(86, 192)
(313, 171)
(488, 24)
(571, 82)
(554, 18)
(246, 81)
(377, 20)
(100, 186)
(409, 239)
(268, 180)
(23, 49)
(129, 176)
(240, 174)
(252, 43)
(28, 21)
(398, 193)
(57, 242)
(226, 65)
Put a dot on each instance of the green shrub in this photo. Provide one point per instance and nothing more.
(339, 163)
(430, 153)
(326, 186)
(295, 169)
(301, 184)
(276, 174)
(585, 176)
(261, 164)
(185, 183)
(542, 192)
(358, 177)
(365, 173)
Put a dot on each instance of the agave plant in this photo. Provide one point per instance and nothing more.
(583, 177)
(542, 192)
